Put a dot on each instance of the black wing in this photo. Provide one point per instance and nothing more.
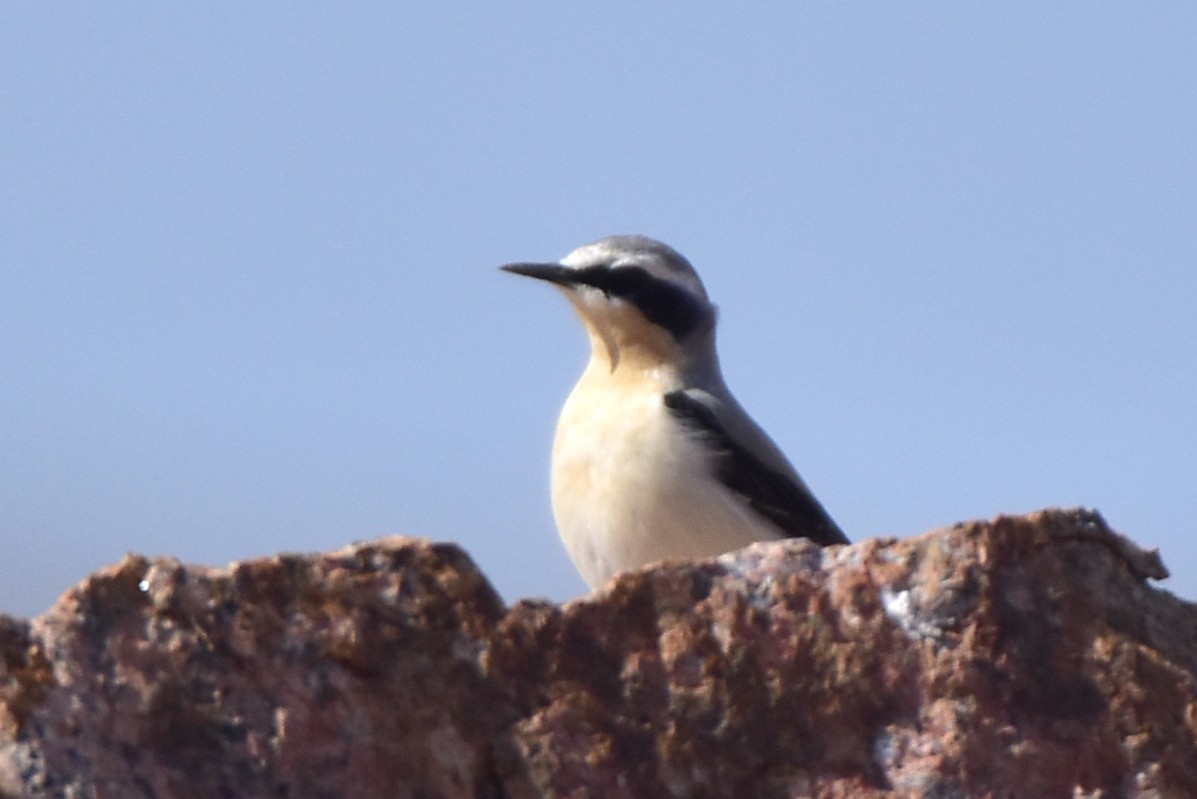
(767, 491)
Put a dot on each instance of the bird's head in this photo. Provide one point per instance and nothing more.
(642, 303)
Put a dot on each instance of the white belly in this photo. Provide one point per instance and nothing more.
(630, 487)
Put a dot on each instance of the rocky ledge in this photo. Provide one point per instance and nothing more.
(1026, 656)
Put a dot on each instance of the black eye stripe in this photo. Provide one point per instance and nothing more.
(662, 303)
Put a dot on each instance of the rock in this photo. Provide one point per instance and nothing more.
(1022, 657)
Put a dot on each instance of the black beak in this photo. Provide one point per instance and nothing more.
(553, 273)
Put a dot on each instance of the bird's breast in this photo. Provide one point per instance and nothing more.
(631, 486)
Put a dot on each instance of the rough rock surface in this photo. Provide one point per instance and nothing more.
(1024, 657)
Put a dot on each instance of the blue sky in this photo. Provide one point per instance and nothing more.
(249, 303)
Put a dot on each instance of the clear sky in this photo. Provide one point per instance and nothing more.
(249, 298)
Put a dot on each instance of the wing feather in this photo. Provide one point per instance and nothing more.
(772, 494)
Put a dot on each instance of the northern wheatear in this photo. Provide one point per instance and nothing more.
(653, 458)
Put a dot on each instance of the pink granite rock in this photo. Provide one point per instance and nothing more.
(1024, 657)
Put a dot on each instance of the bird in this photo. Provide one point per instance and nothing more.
(653, 458)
